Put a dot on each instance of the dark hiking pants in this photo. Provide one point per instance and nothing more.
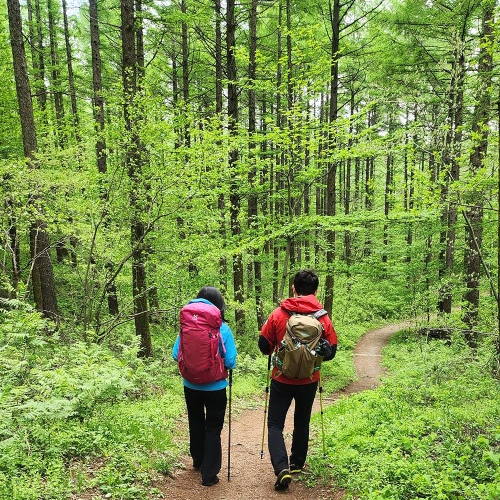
(280, 399)
(206, 410)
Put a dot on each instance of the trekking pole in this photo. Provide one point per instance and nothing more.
(321, 410)
(229, 427)
(265, 406)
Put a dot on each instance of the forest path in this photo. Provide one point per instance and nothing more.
(251, 477)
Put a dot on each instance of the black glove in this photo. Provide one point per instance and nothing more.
(323, 349)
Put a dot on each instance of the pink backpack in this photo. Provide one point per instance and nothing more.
(199, 358)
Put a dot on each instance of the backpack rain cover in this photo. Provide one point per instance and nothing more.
(199, 360)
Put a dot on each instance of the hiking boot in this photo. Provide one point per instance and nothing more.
(283, 480)
(295, 469)
(210, 482)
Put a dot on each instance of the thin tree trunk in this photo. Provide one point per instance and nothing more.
(152, 294)
(55, 83)
(252, 174)
(221, 203)
(498, 242)
(274, 176)
(234, 198)
(387, 203)
(452, 170)
(347, 189)
(37, 52)
(134, 161)
(97, 99)
(99, 126)
(409, 189)
(71, 77)
(332, 167)
(369, 188)
(185, 71)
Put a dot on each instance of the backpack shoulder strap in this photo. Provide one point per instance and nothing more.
(321, 312)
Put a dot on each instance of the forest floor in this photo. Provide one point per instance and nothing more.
(252, 477)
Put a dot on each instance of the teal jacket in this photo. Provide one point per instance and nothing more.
(229, 356)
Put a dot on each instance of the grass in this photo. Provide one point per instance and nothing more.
(432, 430)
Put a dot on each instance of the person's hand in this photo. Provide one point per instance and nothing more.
(323, 349)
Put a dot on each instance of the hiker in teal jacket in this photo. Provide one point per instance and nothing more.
(206, 403)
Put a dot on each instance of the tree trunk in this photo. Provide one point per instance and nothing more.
(274, 176)
(99, 127)
(252, 174)
(387, 203)
(43, 277)
(219, 102)
(474, 198)
(97, 99)
(451, 167)
(369, 188)
(347, 189)
(234, 198)
(134, 162)
(332, 167)
(185, 71)
(71, 78)
(497, 342)
(37, 54)
(55, 83)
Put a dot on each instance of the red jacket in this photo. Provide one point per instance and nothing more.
(275, 326)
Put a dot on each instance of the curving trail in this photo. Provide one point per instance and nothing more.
(251, 477)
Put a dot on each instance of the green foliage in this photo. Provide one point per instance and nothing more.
(430, 431)
(62, 403)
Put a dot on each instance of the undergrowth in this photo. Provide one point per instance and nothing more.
(432, 430)
(78, 416)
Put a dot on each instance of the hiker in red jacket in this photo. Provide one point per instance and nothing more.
(283, 389)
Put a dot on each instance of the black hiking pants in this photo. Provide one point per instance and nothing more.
(206, 410)
(280, 399)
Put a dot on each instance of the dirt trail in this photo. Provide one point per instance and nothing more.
(251, 477)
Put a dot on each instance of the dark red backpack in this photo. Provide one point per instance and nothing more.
(199, 359)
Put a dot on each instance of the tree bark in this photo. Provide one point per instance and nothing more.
(37, 53)
(474, 198)
(99, 127)
(274, 175)
(71, 77)
(44, 289)
(219, 102)
(134, 163)
(234, 198)
(253, 174)
(55, 83)
(185, 70)
(332, 166)
(97, 99)
(452, 173)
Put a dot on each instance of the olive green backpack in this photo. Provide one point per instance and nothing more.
(296, 358)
